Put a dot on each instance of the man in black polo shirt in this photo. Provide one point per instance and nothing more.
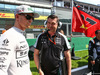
(49, 47)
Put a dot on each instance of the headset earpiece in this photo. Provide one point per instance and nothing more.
(59, 24)
(45, 23)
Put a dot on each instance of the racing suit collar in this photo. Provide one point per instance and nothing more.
(19, 30)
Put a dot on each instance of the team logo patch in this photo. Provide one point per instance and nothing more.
(98, 43)
(2, 59)
(3, 53)
(43, 39)
(5, 42)
(2, 66)
(58, 40)
(21, 54)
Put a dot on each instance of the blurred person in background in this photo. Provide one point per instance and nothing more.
(94, 53)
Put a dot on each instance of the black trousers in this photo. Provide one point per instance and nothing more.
(96, 67)
(48, 72)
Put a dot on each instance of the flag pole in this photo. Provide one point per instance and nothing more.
(71, 28)
(71, 23)
(72, 51)
(72, 17)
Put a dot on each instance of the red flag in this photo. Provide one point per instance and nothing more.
(84, 22)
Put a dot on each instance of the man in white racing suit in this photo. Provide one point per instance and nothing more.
(14, 48)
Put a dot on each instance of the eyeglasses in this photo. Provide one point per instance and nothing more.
(28, 17)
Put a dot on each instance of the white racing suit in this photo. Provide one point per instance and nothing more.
(14, 53)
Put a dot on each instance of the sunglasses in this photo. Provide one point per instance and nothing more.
(28, 17)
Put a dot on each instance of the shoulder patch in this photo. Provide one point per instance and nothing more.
(93, 41)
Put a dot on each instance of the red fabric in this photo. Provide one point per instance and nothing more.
(84, 22)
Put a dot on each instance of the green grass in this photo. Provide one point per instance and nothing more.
(83, 61)
(75, 63)
(33, 68)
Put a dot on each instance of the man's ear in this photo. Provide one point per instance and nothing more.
(16, 16)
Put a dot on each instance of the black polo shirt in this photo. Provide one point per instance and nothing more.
(50, 49)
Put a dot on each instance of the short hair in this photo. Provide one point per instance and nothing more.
(96, 32)
(53, 17)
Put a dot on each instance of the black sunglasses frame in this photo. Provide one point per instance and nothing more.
(28, 17)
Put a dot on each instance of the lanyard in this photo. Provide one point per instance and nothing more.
(51, 40)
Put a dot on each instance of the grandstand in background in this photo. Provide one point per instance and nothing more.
(62, 8)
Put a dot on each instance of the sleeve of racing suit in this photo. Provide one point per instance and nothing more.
(90, 50)
(6, 52)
